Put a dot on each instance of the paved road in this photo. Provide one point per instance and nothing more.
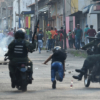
(41, 87)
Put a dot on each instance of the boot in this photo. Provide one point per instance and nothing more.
(83, 70)
(54, 84)
(30, 78)
(13, 80)
(80, 71)
(79, 77)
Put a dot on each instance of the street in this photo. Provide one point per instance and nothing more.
(41, 88)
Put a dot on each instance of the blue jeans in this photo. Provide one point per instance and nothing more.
(77, 43)
(40, 45)
(57, 67)
(53, 42)
(49, 44)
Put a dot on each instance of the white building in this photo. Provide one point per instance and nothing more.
(87, 18)
(23, 7)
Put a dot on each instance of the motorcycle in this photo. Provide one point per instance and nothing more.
(92, 74)
(22, 75)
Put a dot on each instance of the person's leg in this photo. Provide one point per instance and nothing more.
(53, 74)
(60, 72)
(12, 74)
(88, 63)
(69, 43)
(31, 70)
(76, 42)
(53, 43)
(50, 44)
(86, 41)
(61, 44)
(39, 46)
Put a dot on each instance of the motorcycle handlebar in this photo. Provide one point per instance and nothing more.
(6, 58)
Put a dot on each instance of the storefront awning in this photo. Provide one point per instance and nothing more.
(95, 9)
(44, 9)
(27, 12)
(86, 9)
(76, 13)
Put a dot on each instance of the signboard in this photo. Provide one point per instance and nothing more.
(95, 9)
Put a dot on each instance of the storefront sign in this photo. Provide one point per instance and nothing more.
(97, 8)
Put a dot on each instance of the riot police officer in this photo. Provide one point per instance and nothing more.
(90, 60)
(18, 52)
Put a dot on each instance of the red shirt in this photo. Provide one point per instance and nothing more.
(10, 33)
(91, 32)
(53, 33)
(61, 36)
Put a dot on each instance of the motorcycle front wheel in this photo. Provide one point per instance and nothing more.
(86, 79)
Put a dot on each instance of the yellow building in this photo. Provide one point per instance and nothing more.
(74, 6)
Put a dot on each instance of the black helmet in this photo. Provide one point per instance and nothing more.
(56, 48)
(98, 34)
(20, 33)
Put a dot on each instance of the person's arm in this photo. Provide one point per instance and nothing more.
(48, 59)
(95, 32)
(30, 46)
(87, 32)
(81, 33)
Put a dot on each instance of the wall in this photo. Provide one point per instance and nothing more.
(67, 7)
(74, 6)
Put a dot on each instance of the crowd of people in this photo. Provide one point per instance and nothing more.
(75, 36)
(54, 38)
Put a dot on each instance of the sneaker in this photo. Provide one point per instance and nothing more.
(54, 85)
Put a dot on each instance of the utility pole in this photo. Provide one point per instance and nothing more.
(64, 24)
(19, 13)
(6, 16)
(36, 10)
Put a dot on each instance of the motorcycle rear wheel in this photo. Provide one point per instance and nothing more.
(24, 82)
(24, 86)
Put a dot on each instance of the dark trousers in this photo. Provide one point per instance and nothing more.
(73, 42)
(52, 43)
(91, 61)
(49, 44)
(70, 43)
(77, 43)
